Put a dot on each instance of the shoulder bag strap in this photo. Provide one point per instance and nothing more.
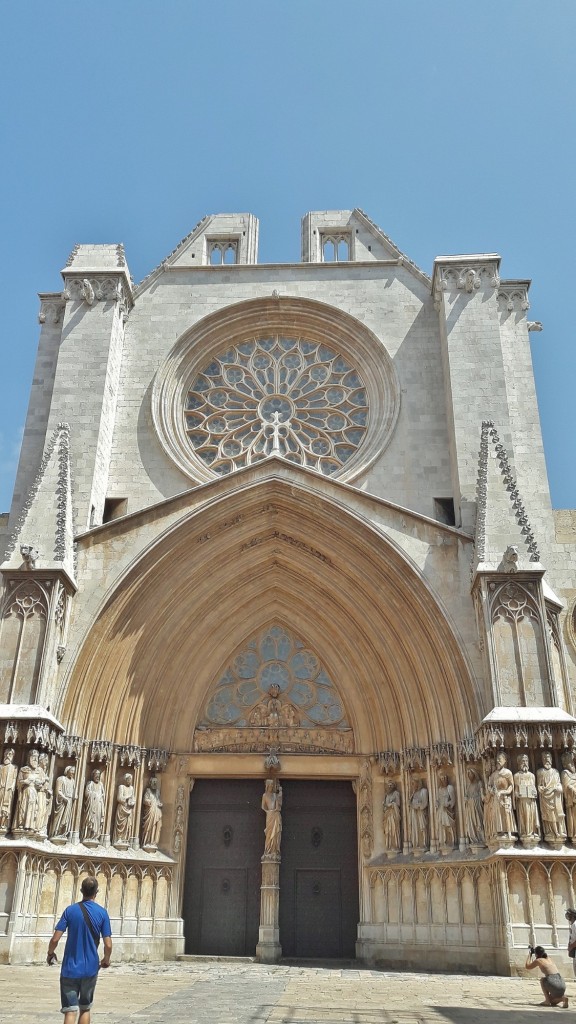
(89, 924)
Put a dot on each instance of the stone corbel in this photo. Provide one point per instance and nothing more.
(99, 288)
(466, 274)
(513, 296)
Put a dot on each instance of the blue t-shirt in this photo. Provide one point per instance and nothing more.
(81, 958)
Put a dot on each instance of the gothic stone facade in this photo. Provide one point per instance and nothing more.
(290, 522)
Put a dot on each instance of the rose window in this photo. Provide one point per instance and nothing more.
(281, 396)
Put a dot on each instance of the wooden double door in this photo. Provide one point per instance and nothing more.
(318, 873)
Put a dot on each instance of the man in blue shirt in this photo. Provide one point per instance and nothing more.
(85, 923)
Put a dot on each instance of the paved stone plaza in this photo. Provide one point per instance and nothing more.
(249, 993)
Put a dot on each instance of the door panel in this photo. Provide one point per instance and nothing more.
(319, 870)
(318, 925)
(221, 906)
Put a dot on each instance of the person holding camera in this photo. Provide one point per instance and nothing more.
(85, 923)
(552, 984)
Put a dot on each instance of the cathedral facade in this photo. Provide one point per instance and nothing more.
(287, 632)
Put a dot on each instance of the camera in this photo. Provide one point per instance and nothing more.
(531, 950)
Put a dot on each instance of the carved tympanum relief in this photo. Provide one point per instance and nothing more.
(277, 396)
(275, 693)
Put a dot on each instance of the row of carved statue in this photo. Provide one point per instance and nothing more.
(500, 808)
(29, 807)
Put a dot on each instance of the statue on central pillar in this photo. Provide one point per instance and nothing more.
(269, 949)
(272, 805)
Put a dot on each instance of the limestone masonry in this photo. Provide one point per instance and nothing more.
(287, 632)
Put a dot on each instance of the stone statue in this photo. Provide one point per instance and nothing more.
(568, 787)
(63, 803)
(29, 781)
(45, 797)
(499, 821)
(8, 774)
(124, 811)
(272, 805)
(445, 804)
(391, 819)
(93, 809)
(151, 815)
(474, 808)
(551, 807)
(525, 794)
(419, 816)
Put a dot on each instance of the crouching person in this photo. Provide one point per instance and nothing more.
(552, 984)
(85, 923)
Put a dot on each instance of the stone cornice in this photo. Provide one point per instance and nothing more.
(513, 296)
(98, 286)
(52, 306)
(467, 274)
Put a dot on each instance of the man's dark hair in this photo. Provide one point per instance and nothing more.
(89, 887)
(541, 952)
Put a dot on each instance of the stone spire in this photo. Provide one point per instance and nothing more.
(43, 536)
(504, 537)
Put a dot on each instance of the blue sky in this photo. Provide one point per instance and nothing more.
(453, 127)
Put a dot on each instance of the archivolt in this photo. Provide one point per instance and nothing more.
(271, 552)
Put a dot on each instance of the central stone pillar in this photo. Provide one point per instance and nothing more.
(269, 950)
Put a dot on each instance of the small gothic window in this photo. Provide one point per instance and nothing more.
(222, 250)
(335, 247)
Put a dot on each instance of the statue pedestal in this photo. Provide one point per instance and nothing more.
(269, 950)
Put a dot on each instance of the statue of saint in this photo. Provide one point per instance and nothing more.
(124, 811)
(63, 803)
(30, 780)
(419, 816)
(445, 805)
(551, 806)
(499, 818)
(272, 805)
(8, 774)
(568, 787)
(474, 808)
(526, 805)
(93, 808)
(391, 818)
(151, 815)
(44, 797)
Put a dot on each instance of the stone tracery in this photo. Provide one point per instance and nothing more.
(277, 396)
